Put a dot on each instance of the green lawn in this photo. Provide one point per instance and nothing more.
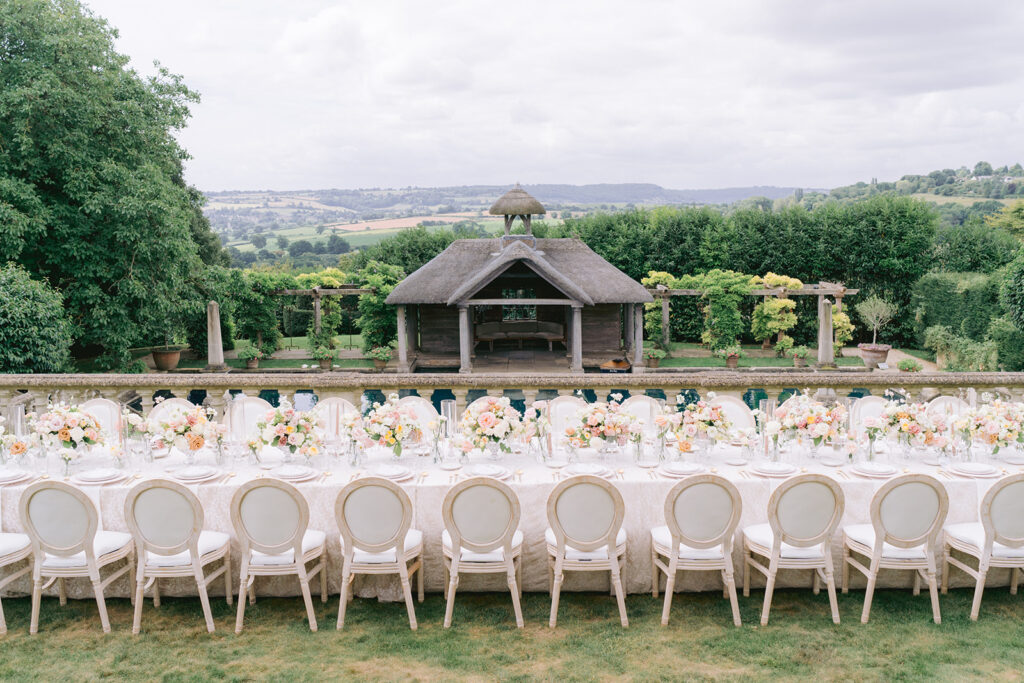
(923, 354)
(281, 363)
(710, 362)
(801, 642)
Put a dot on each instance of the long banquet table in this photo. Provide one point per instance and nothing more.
(643, 493)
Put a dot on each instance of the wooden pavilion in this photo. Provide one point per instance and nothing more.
(516, 289)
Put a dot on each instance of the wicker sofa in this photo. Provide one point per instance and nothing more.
(519, 330)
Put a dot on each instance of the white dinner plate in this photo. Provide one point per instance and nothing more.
(294, 472)
(773, 469)
(195, 473)
(396, 472)
(487, 469)
(875, 470)
(1012, 459)
(974, 469)
(100, 475)
(9, 475)
(680, 469)
(588, 468)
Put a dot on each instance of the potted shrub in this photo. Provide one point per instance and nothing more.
(167, 357)
(732, 355)
(876, 312)
(783, 345)
(653, 357)
(909, 365)
(252, 355)
(380, 355)
(800, 354)
(324, 356)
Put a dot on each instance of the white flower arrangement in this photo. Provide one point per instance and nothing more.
(287, 428)
(492, 420)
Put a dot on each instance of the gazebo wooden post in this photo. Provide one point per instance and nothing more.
(465, 340)
(403, 340)
(638, 338)
(664, 321)
(629, 323)
(577, 339)
(316, 309)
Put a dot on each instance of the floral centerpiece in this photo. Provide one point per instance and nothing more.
(702, 420)
(69, 428)
(289, 429)
(488, 423)
(998, 424)
(536, 424)
(804, 417)
(391, 425)
(602, 420)
(188, 430)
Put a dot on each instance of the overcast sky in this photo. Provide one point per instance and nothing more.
(318, 94)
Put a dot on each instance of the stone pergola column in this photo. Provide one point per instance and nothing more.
(664, 321)
(826, 351)
(577, 339)
(403, 340)
(214, 343)
(465, 340)
(638, 336)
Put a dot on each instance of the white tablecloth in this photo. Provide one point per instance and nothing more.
(644, 498)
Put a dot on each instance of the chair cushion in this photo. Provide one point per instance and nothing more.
(496, 555)
(579, 555)
(12, 543)
(105, 542)
(413, 546)
(311, 540)
(973, 533)
(865, 535)
(662, 538)
(208, 542)
(762, 535)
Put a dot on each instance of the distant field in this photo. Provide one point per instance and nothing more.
(962, 201)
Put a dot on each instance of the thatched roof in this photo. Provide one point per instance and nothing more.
(466, 266)
(517, 202)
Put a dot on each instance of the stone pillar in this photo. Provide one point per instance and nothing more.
(214, 343)
(638, 337)
(664, 321)
(465, 340)
(826, 353)
(460, 403)
(403, 340)
(577, 339)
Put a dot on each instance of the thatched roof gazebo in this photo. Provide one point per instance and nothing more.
(517, 289)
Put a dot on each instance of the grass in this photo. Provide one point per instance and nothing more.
(922, 354)
(711, 362)
(281, 363)
(700, 643)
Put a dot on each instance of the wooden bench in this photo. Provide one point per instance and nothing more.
(519, 330)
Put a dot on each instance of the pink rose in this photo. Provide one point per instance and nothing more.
(488, 420)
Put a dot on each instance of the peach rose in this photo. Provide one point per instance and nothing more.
(18, 447)
(64, 434)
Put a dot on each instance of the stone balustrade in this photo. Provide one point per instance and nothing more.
(35, 391)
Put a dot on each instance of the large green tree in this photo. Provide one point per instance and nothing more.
(91, 189)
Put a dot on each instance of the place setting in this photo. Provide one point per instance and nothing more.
(99, 476)
(11, 475)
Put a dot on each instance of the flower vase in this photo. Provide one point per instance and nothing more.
(773, 449)
(354, 453)
(190, 457)
(608, 448)
(493, 450)
(435, 451)
(660, 445)
(871, 450)
(638, 451)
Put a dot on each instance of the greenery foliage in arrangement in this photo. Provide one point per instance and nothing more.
(377, 320)
(961, 354)
(35, 333)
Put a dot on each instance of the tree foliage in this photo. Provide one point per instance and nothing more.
(771, 317)
(91, 189)
(1012, 293)
(377, 320)
(876, 313)
(35, 333)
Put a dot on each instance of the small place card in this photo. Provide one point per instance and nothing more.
(883, 366)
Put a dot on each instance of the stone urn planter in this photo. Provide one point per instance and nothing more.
(166, 359)
(379, 364)
(799, 362)
(653, 362)
(732, 362)
(873, 354)
(325, 363)
(252, 364)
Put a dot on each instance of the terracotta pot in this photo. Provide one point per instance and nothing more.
(799, 362)
(873, 354)
(326, 363)
(653, 362)
(732, 362)
(166, 360)
(252, 364)
(379, 364)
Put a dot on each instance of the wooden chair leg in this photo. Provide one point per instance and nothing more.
(63, 591)
(846, 569)
(344, 599)
(445, 585)
(869, 592)
(945, 568)
(917, 583)
(140, 584)
(933, 590)
(746, 573)
(323, 581)
(513, 587)
(37, 597)
(227, 577)
(97, 589)
(407, 592)
(730, 582)
(979, 589)
(518, 562)
(204, 597)
(769, 588)
(655, 579)
(670, 585)
(830, 584)
(419, 580)
(242, 590)
(1015, 576)
(620, 596)
(556, 591)
(156, 592)
(450, 606)
(307, 597)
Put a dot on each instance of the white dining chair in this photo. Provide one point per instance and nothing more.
(375, 515)
(866, 406)
(425, 414)
(738, 413)
(242, 415)
(642, 407)
(331, 410)
(63, 526)
(271, 520)
(907, 514)
(803, 513)
(701, 515)
(163, 410)
(166, 521)
(107, 414)
(946, 406)
(562, 412)
(481, 536)
(585, 533)
(14, 548)
(996, 541)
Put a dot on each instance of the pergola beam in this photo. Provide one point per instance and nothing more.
(520, 302)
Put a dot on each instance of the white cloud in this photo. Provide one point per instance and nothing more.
(310, 93)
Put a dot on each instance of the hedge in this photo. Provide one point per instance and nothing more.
(966, 303)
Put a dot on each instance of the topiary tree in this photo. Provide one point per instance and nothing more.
(876, 312)
(377, 320)
(35, 332)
